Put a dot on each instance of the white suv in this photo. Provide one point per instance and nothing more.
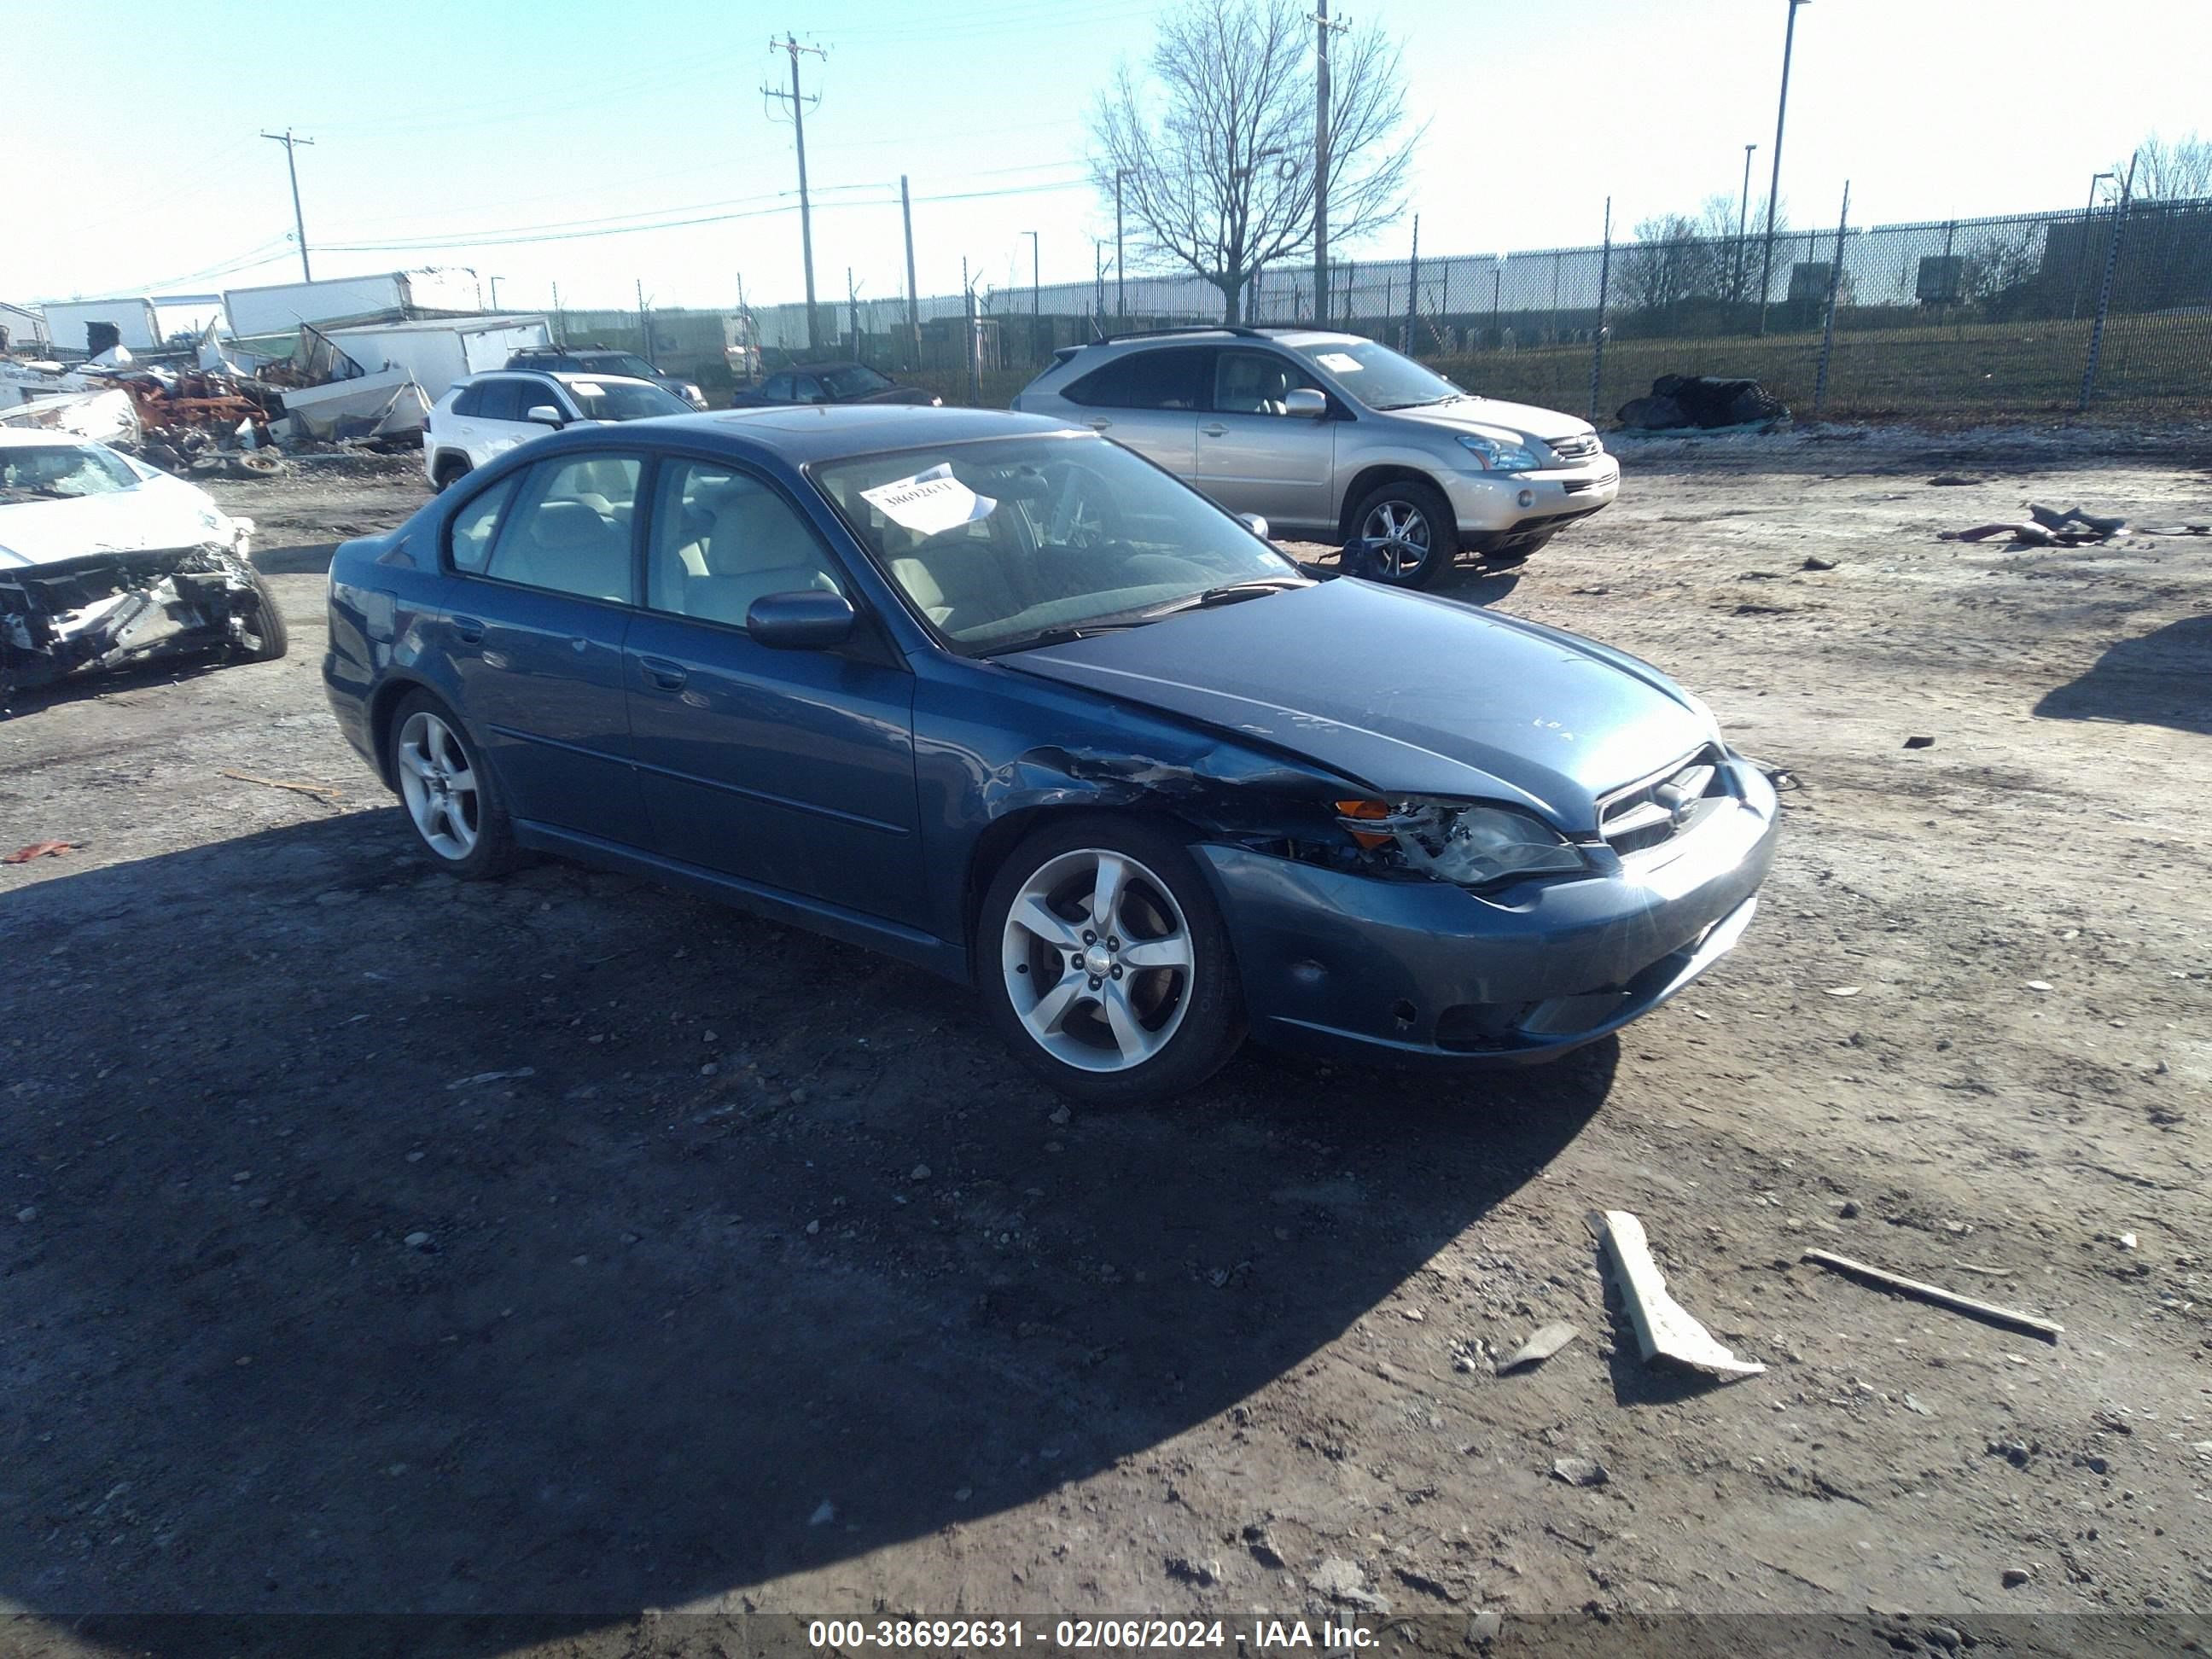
(487, 415)
(1331, 437)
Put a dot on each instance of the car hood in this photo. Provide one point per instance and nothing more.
(1469, 413)
(1403, 693)
(42, 531)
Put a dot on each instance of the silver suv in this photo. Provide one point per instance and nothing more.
(1331, 437)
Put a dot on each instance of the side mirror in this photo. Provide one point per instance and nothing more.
(811, 619)
(545, 414)
(1305, 403)
(1255, 523)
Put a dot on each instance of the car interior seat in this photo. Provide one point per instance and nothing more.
(569, 546)
(1252, 385)
(757, 546)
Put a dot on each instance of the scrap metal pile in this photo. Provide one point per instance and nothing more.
(215, 407)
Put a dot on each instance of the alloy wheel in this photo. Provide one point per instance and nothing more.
(1098, 960)
(1402, 530)
(439, 786)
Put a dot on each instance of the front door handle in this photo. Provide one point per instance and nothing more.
(1215, 430)
(468, 631)
(668, 676)
(1099, 426)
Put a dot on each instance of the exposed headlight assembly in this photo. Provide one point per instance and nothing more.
(1467, 846)
(1498, 454)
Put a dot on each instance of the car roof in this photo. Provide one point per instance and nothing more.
(826, 432)
(565, 376)
(22, 436)
(824, 368)
(1261, 333)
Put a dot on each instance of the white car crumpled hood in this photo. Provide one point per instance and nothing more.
(160, 513)
(1474, 414)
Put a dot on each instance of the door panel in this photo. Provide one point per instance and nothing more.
(537, 649)
(1252, 458)
(793, 768)
(1148, 401)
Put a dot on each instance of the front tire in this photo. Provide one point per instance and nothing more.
(265, 637)
(1104, 963)
(451, 469)
(1413, 528)
(452, 799)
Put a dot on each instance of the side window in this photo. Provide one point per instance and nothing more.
(1255, 382)
(535, 393)
(722, 539)
(1144, 380)
(471, 402)
(806, 389)
(500, 400)
(570, 529)
(778, 387)
(468, 542)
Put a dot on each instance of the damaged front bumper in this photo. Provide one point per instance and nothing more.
(111, 609)
(1420, 971)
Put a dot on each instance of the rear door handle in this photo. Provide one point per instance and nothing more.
(468, 631)
(1215, 430)
(668, 676)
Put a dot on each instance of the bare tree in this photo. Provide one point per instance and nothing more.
(1679, 256)
(2170, 170)
(1214, 146)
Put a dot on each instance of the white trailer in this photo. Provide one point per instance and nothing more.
(438, 351)
(282, 306)
(136, 325)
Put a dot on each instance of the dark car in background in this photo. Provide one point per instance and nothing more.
(604, 360)
(1000, 698)
(830, 383)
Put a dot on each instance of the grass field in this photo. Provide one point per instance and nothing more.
(2154, 366)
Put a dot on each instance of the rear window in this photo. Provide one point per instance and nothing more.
(1142, 379)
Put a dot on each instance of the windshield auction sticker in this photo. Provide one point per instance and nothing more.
(1340, 363)
(930, 503)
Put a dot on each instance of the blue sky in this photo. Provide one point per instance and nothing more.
(444, 132)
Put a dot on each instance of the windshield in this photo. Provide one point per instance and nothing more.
(617, 362)
(853, 380)
(1379, 376)
(613, 401)
(1004, 543)
(61, 470)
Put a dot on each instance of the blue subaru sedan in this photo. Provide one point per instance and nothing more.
(1004, 700)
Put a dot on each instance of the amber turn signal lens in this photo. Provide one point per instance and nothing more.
(1366, 809)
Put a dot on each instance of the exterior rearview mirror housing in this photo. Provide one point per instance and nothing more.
(1305, 403)
(810, 619)
(545, 414)
(1255, 523)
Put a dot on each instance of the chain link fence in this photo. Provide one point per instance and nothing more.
(2033, 315)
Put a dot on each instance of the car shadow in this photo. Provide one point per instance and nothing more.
(563, 1246)
(2164, 679)
(1477, 584)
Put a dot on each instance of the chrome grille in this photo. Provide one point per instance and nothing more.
(1580, 448)
(1664, 806)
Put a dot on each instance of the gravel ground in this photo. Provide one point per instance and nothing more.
(370, 1241)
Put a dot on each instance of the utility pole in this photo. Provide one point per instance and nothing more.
(1774, 186)
(644, 324)
(559, 334)
(292, 166)
(853, 311)
(912, 292)
(1323, 30)
(789, 46)
(1742, 219)
(1412, 287)
(494, 293)
(1036, 303)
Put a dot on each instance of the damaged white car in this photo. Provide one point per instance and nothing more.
(107, 562)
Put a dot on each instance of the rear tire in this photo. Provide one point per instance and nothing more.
(1104, 963)
(452, 799)
(1417, 528)
(267, 638)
